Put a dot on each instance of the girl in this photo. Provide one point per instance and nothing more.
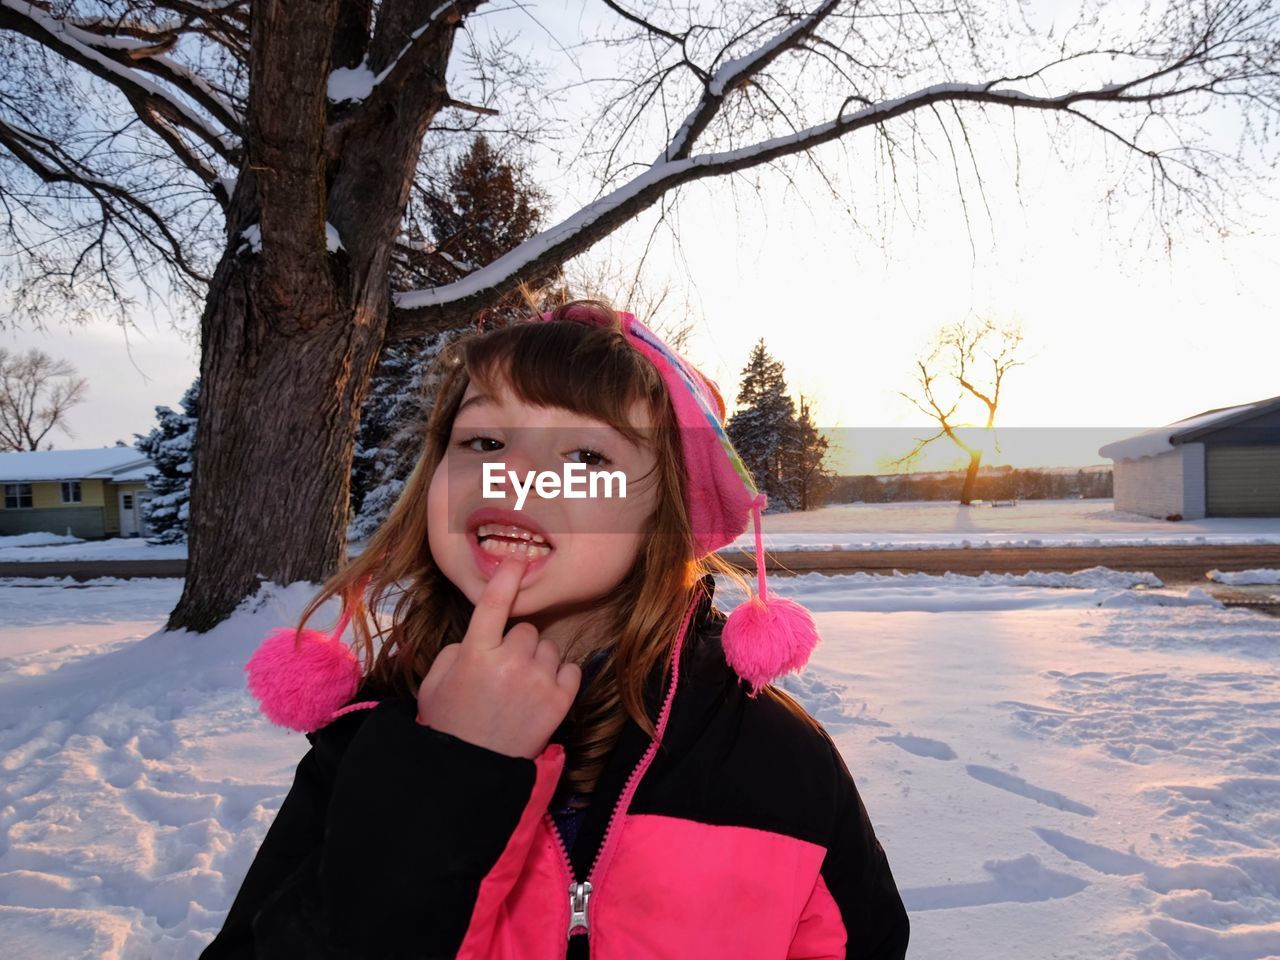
(560, 747)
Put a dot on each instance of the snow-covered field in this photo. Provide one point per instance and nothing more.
(44, 547)
(919, 525)
(1031, 523)
(1058, 766)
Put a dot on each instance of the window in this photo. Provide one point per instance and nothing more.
(70, 491)
(17, 495)
(128, 501)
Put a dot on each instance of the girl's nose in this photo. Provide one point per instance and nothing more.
(520, 459)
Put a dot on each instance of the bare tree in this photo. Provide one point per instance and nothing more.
(260, 161)
(661, 307)
(976, 357)
(26, 415)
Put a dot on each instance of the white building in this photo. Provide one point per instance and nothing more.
(1220, 463)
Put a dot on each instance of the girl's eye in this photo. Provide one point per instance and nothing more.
(471, 440)
(601, 458)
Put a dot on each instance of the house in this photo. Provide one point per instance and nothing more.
(1220, 463)
(90, 494)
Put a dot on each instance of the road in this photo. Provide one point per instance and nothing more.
(1172, 564)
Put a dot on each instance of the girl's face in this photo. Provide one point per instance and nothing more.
(591, 542)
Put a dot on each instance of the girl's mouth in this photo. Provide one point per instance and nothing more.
(502, 539)
(490, 543)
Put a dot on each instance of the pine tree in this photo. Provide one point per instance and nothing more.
(783, 450)
(171, 448)
(484, 205)
(809, 468)
(388, 441)
(763, 430)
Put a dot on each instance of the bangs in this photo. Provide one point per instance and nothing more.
(589, 369)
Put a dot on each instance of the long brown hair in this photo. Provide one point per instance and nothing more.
(647, 607)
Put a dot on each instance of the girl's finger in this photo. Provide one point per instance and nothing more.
(569, 678)
(493, 609)
(439, 668)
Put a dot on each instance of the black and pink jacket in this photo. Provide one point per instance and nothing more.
(737, 835)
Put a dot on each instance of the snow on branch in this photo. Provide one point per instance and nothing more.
(734, 72)
(414, 310)
(115, 60)
(358, 83)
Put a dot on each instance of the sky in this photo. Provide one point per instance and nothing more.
(1120, 334)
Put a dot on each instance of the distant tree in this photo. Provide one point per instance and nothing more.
(25, 415)
(763, 431)
(171, 448)
(808, 467)
(961, 353)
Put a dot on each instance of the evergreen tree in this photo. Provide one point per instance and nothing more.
(783, 450)
(389, 437)
(812, 477)
(763, 431)
(484, 205)
(171, 448)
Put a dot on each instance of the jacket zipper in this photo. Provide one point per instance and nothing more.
(580, 893)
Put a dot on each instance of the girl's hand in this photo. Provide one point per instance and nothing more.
(508, 694)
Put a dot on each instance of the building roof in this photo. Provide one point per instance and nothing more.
(118, 464)
(1152, 443)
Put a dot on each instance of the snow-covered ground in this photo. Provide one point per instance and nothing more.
(1244, 578)
(920, 525)
(45, 547)
(1058, 766)
(924, 525)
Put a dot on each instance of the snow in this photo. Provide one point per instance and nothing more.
(917, 525)
(31, 466)
(563, 237)
(351, 83)
(252, 235)
(332, 239)
(40, 539)
(88, 45)
(934, 525)
(1246, 577)
(747, 65)
(357, 83)
(1071, 765)
(62, 549)
(1152, 443)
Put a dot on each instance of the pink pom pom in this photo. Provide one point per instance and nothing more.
(763, 639)
(301, 688)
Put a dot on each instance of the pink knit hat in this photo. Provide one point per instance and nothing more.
(303, 679)
(764, 637)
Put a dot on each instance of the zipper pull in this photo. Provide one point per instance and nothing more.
(578, 896)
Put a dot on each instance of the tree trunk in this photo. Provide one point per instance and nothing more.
(970, 478)
(293, 327)
(276, 507)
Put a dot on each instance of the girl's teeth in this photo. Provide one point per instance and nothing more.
(508, 531)
(501, 547)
